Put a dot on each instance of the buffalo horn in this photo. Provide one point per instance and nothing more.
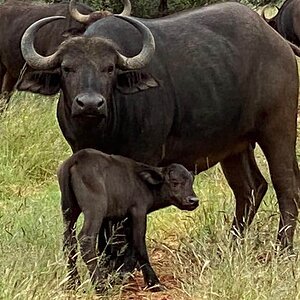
(263, 14)
(84, 19)
(143, 58)
(35, 60)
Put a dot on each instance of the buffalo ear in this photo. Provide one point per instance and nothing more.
(130, 82)
(41, 82)
(153, 176)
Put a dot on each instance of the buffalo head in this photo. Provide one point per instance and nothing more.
(175, 184)
(87, 70)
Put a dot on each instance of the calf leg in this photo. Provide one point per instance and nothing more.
(111, 243)
(70, 216)
(87, 239)
(138, 242)
(104, 246)
(248, 185)
(129, 258)
(111, 240)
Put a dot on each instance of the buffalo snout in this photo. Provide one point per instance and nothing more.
(193, 200)
(186, 203)
(89, 105)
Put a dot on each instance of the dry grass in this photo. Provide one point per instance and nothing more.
(191, 252)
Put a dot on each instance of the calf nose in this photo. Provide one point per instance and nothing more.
(193, 200)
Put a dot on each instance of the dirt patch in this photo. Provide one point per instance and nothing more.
(163, 264)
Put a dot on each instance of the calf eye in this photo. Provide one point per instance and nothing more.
(175, 184)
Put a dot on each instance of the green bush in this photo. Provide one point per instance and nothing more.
(150, 9)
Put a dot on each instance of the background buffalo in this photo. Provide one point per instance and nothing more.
(286, 21)
(16, 16)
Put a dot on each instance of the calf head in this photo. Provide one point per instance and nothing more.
(174, 184)
(86, 69)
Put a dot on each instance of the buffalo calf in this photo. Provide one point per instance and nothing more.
(105, 187)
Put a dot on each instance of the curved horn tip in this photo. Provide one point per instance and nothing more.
(29, 53)
(263, 13)
(143, 58)
(76, 15)
(127, 8)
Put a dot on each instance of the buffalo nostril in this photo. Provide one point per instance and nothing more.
(193, 200)
(100, 103)
(80, 103)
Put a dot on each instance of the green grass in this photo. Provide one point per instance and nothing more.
(190, 251)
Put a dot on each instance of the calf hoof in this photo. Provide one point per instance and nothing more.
(158, 287)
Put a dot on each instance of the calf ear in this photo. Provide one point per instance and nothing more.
(153, 176)
(130, 82)
(45, 83)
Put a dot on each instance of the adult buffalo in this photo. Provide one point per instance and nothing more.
(219, 81)
(286, 21)
(16, 16)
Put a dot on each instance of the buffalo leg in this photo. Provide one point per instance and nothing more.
(3, 96)
(139, 245)
(70, 216)
(8, 83)
(248, 185)
(2, 74)
(114, 259)
(111, 240)
(87, 239)
(163, 7)
(104, 235)
(130, 260)
(278, 142)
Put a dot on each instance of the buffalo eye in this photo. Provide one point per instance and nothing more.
(67, 69)
(109, 70)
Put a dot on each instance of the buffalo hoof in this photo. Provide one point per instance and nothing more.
(156, 288)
